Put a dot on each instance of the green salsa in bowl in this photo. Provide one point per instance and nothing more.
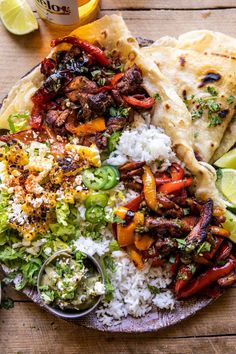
(71, 284)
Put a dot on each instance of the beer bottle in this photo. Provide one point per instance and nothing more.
(70, 12)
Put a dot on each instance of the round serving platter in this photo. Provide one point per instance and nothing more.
(154, 320)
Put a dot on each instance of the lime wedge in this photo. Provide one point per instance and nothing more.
(228, 160)
(17, 16)
(230, 225)
(226, 184)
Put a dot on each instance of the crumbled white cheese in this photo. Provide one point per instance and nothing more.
(16, 214)
(99, 288)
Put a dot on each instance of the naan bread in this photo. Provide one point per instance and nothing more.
(193, 67)
(220, 44)
(170, 113)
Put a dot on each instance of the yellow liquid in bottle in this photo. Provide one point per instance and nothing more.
(88, 11)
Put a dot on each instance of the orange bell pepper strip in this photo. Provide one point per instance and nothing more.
(121, 212)
(92, 127)
(126, 233)
(149, 188)
(135, 256)
(143, 242)
(116, 78)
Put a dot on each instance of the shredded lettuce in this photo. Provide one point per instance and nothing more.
(18, 121)
(62, 231)
(4, 197)
(62, 213)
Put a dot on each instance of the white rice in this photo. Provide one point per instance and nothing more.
(132, 295)
(143, 143)
(90, 246)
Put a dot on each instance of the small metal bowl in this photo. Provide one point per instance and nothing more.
(68, 314)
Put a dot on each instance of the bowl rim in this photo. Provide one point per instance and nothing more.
(57, 311)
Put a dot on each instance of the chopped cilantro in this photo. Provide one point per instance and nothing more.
(120, 66)
(7, 303)
(157, 97)
(213, 106)
(186, 211)
(205, 247)
(109, 72)
(119, 112)
(114, 246)
(192, 268)
(96, 73)
(212, 90)
(108, 286)
(153, 289)
(196, 135)
(214, 120)
(230, 99)
(222, 263)
(101, 81)
(181, 242)
(172, 259)
(197, 113)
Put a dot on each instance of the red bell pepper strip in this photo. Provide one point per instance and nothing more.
(105, 88)
(184, 275)
(162, 177)
(210, 254)
(89, 48)
(145, 103)
(224, 251)
(175, 265)
(173, 186)
(160, 181)
(205, 279)
(134, 204)
(212, 291)
(116, 78)
(177, 172)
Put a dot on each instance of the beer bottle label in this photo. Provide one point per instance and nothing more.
(58, 11)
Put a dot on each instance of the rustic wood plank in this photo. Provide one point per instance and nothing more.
(157, 23)
(161, 4)
(40, 332)
(166, 4)
(153, 24)
(210, 321)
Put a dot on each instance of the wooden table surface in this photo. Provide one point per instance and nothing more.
(28, 329)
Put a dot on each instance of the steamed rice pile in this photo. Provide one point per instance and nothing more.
(143, 143)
